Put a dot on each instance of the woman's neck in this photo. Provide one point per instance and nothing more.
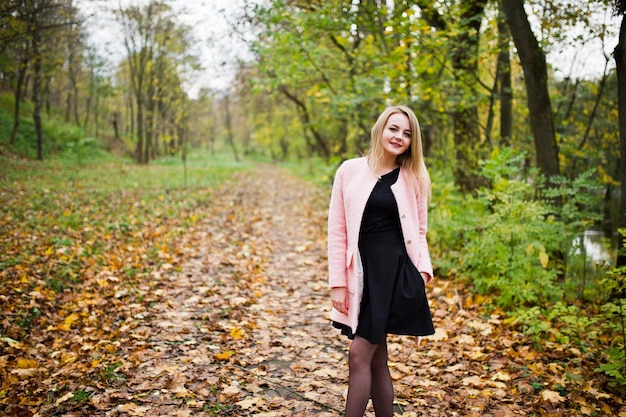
(386, 168)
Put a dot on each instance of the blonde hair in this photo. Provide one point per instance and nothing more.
(412, 160)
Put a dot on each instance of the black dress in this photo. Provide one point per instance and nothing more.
(394, 295)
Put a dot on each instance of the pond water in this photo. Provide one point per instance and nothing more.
(598, 248)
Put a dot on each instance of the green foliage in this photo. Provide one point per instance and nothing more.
(615, 365)
(451, 220)
(109, 372)
(559, 323)
(515, 241)
(80, 396)
(59, 138)
(501, 237)
(508, 239)
(614, 320)
(509, 250)
(338, 66)
(577, 199)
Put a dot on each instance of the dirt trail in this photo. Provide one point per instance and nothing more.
(242, 328)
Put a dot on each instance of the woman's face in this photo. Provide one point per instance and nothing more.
(396, 137)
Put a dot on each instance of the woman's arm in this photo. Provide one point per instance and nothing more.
(424, 253)
(337, 235)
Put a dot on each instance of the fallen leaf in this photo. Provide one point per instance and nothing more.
(552, 396)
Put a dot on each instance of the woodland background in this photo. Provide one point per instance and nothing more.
(528, 163)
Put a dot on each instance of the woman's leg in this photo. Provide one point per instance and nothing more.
(382, 387)
(360, 376)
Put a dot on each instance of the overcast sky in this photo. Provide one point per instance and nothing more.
(219, 50)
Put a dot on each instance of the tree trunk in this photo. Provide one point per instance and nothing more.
(229, 127)
(87, 112)
(535, 70)
(469, 149)
(149, 133)
(37, 69)
(320, 141)
(116, 131)
(95, 117)
(620, 62)
(18, 98)
(504, 80)
(467, 142)
(139, 128)
(68, 106)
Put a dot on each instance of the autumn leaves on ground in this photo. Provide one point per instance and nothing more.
(216, 304)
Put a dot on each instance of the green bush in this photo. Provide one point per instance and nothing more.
(508, 240)
(514, 241)
(451, 223)
(509, 253)
(613, 315)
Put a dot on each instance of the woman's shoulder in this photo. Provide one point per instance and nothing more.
(354, 163)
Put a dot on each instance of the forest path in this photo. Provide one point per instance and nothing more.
(241, 328)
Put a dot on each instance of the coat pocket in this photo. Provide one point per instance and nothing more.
(349, 259)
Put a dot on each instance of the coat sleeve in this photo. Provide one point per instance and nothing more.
(424, 254)
(337, 234)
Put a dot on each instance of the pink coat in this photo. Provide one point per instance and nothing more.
(354, 182)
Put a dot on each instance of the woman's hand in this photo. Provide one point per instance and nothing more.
(340, 299)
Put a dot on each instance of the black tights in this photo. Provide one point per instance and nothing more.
(369, 377)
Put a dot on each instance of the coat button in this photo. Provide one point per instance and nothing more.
(403, 216)
(408, 242)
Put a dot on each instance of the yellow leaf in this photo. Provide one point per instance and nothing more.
(529, 249)
(237, 333)
(543, 258)
(68, 357)
(224, 356)
(27, 363)
(69, 320)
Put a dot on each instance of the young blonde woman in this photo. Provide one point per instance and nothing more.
(378, 256)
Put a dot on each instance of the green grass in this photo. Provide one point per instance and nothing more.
(314, 169)
(108, 173)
